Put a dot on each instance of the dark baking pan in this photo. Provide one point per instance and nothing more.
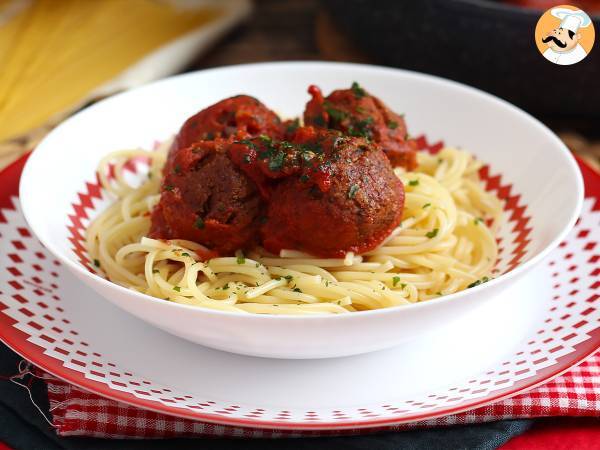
(485, 44)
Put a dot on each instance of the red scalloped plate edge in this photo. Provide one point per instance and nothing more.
(18, 342)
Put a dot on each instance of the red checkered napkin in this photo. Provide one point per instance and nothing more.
(77, 412)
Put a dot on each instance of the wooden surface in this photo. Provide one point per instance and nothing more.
(282, 30)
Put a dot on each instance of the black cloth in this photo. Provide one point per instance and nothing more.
(22, 427)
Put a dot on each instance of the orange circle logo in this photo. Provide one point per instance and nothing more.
(564, 35)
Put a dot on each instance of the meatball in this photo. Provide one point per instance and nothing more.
(347, 198)
(207, 199)
(357, 113)
(239, 117)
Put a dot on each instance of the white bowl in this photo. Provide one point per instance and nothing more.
(538, 174)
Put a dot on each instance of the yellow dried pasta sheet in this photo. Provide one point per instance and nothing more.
(55, 52)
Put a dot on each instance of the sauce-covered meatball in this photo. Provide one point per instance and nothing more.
(206, 198)
(240, 117)
(332, 193)
(357, 113)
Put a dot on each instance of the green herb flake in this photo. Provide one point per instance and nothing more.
(265, 139)
(155, 271)
(426, 205)
(431, 234)
(177, 169)
(185, 254)
(478, 282)
(276, 162)
(438, 293)
(478, 221)
(168, 187)
(288, 277)
(297, 290)
(225, 287)
(395, 281)
(199, 223)
(247, 159)
(392, 125)
(413, 183)
(176, 288)
(358, 91)
(336, 114)
(149, 175)
(403, 285)
(248, 143)
(97, 263)
(352, 191)
(241, 259)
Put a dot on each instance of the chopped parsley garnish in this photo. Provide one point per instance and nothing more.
(478, 221)
(336, 114)
(353, 190)
(426, 205)
(185, 254)
(392, 125)
(288, 277)
(225, 287)
(402, 285)
(360, 109)
(264, 138)
(431, 234)
(177, 169)
(297, 290)
(395, 281)
(247, 159)
(168, 187)
(413, 183)
(155, 271)
(304, 178)
(241, 259)
(248, 143)
(361, 128)
(210, 136)
(478, 282)
(438, 293)
(149, 175)
(358, 91)
(176, 288)
(199, 223)
(276, 162)
(97, 263)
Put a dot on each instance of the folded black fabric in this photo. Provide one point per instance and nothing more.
(23, 427)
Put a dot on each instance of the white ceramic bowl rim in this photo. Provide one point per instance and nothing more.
(26, 185)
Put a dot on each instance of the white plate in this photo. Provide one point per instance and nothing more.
(536, 330)
(60, 195)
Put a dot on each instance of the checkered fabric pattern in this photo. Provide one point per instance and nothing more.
(76, 412)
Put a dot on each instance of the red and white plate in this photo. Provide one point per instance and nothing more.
(537, 329)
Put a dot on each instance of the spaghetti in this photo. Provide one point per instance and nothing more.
(444, 244)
